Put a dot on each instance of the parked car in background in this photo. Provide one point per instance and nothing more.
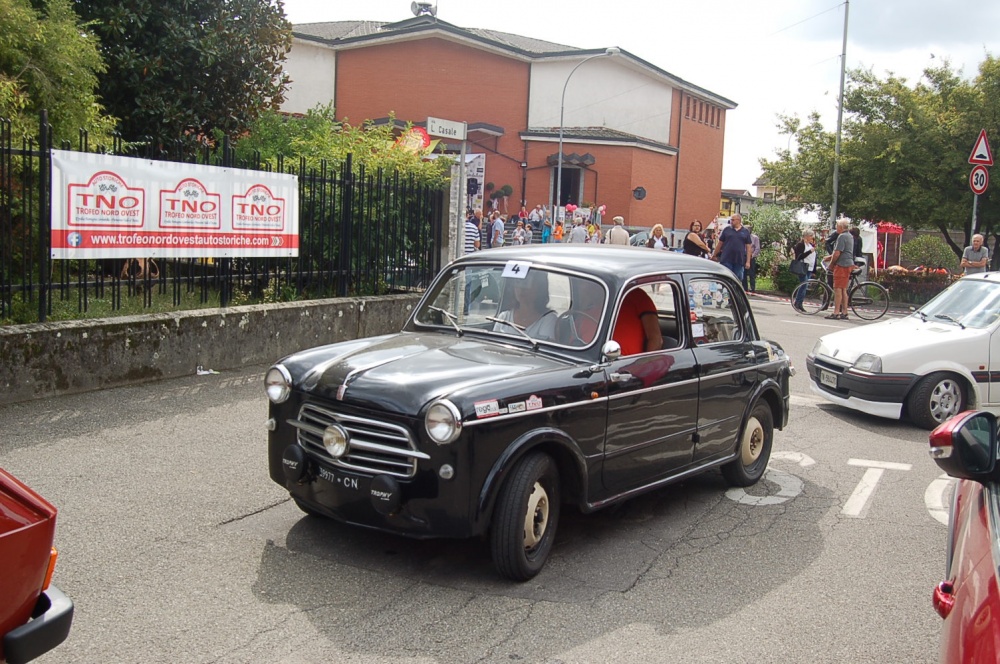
(479, 419)
(929, 366)
(968, 599)
(35, 616)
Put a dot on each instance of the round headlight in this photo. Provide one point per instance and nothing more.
(278, 384)
(336, 441)
(443, 422)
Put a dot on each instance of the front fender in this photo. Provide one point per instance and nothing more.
(563, 448)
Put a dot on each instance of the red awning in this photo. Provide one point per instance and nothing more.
(890, 228)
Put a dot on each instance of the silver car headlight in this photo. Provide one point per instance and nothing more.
(278, 383)
(443, 422)
(868, 362)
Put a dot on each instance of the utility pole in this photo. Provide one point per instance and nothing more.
(840, 121)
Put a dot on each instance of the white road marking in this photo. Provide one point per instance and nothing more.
(795, 457)
(934, 498)
(790, 486)
(885, 465)
(857, 504)
(800, 322)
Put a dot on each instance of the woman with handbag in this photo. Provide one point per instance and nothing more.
(804, 263)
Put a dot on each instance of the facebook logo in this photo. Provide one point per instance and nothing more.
(74, 239)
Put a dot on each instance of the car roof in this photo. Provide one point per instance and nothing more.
(610, 262)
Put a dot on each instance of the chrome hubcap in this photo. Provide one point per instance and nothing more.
(536, 517)
(753, 442)
(946, 400)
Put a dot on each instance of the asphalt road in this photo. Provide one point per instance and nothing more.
(176, 547)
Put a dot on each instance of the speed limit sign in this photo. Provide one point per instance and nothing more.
(979, 179)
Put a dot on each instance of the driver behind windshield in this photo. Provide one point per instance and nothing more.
(527, 300)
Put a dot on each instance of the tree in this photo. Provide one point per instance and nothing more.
(48, 60)
(189, 67)
(904, 151)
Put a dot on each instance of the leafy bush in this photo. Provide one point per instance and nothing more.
(913, 288)
(784, 281)
(930, 251)
(775, 224)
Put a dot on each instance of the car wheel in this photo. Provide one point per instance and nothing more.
(754, 450)
(935, 399)
(525, 518)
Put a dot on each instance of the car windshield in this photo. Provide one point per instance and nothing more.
(517, 299)
(969, 303)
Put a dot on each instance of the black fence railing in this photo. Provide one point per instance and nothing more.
(360, 233)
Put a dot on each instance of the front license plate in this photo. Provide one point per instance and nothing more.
(828, 378)
(349, 482)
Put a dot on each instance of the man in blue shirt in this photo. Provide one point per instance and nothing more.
(733, 249)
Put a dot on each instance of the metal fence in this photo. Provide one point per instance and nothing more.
(360, 233)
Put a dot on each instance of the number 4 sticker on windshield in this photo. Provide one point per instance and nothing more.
(516, 269)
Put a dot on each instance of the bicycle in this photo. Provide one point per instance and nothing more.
(869, 300)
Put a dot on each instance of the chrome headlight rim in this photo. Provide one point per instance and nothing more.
(868, 362)
(278, 384)
(336, 441)
(451, 421)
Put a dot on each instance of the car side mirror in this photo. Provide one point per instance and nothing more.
(966, 446)
(611, 351)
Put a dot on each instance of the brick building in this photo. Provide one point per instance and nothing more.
(627, 123)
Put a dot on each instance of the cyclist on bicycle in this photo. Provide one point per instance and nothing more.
(842, 262)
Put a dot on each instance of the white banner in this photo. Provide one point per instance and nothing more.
(120, 207)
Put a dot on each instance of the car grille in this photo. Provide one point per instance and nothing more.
(379, 448)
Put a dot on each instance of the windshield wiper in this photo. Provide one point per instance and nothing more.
(950, 319)
(520, 328)
(922, 315)
(452, 318)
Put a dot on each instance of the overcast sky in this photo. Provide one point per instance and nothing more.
(769, 56)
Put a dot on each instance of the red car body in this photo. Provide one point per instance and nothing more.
(35, 616)
(968, 599)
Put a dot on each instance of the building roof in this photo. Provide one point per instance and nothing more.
(347, 34)
(600, 135)
(739, 193)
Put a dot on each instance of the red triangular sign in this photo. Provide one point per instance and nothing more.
(981, 153)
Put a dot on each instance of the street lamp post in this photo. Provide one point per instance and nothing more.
(613, 50)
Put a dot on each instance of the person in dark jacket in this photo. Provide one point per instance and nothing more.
(805, 251)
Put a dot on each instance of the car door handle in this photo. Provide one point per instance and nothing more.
(751, 355)
(622, 377)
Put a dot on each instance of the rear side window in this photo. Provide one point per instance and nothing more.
(714, 315)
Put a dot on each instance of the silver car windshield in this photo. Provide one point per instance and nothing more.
(970, 303)
(518, 300)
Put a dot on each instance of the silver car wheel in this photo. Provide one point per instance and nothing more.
(946, 400)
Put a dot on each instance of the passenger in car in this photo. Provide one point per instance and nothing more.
(637, 329)
(529, 307)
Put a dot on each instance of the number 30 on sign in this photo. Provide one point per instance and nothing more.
(979, 179)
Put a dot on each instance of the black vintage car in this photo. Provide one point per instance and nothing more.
(528, 378)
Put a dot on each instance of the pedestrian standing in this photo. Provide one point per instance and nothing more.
(618, 234)
(578, 235)
(546, 229)
(733, 249)
(693, 244)
(557, 231)
(842, 262)
(750, 275)
(472, 234)
(497, 229)
(805, 251)
(657, 240)
(975, 258)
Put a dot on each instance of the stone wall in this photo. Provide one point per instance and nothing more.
(46, 359)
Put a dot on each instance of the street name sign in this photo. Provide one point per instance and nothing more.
(447, 129)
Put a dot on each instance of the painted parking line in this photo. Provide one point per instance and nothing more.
(857, 505)
(934, 498)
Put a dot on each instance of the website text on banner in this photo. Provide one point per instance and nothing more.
(105, 206)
